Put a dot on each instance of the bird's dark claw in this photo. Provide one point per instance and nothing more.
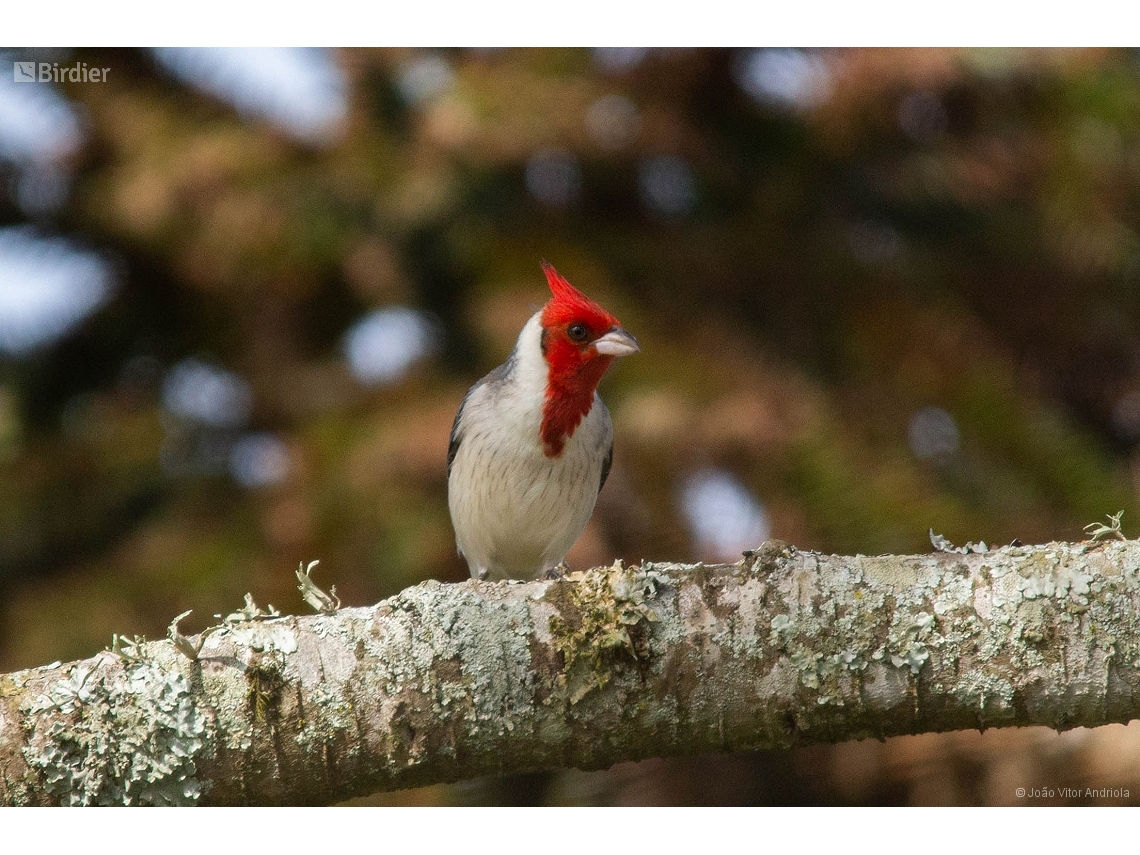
(555, 573)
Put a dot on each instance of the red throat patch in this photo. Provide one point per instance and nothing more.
(575, 368)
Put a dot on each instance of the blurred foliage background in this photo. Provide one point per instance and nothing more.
(242, 293)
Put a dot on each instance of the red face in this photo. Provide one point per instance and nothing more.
(572, 325)
(572, 322)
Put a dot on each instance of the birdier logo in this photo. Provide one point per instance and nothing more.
(53, 72)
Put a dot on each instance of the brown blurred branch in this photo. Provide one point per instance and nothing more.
(443, 682)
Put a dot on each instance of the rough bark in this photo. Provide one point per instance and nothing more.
(443, 682)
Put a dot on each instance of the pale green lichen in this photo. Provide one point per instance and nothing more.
(458, 657)
(266, 637)
(610, 603)
(1099, 531)
(119, 736)
(829, 648)
(251, 611)
(337, 714)
(908, 639)
(190, 649)
(323, 602)
(781, 625)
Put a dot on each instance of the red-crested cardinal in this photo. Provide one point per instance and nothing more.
(532, 442)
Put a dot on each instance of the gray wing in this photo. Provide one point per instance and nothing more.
(494, 378)
(607, 438)
(456, 436)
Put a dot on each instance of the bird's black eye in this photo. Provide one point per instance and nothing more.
(577, 332)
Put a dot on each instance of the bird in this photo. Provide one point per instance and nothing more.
(532, 443)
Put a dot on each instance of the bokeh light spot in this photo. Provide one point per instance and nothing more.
(612, 122)
(933, 434)
(301, 90)
(618, 60)
(554, 177)
(36, 122)
(667, 185)
(39, 131)
(259, 460)
(47, 287)
(725, 518)
(423, 77)
(384, 344)
(199, 392)
(784, 77)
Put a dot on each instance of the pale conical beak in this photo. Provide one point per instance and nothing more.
(617, 342)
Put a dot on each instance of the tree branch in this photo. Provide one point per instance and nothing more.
(444, 682)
